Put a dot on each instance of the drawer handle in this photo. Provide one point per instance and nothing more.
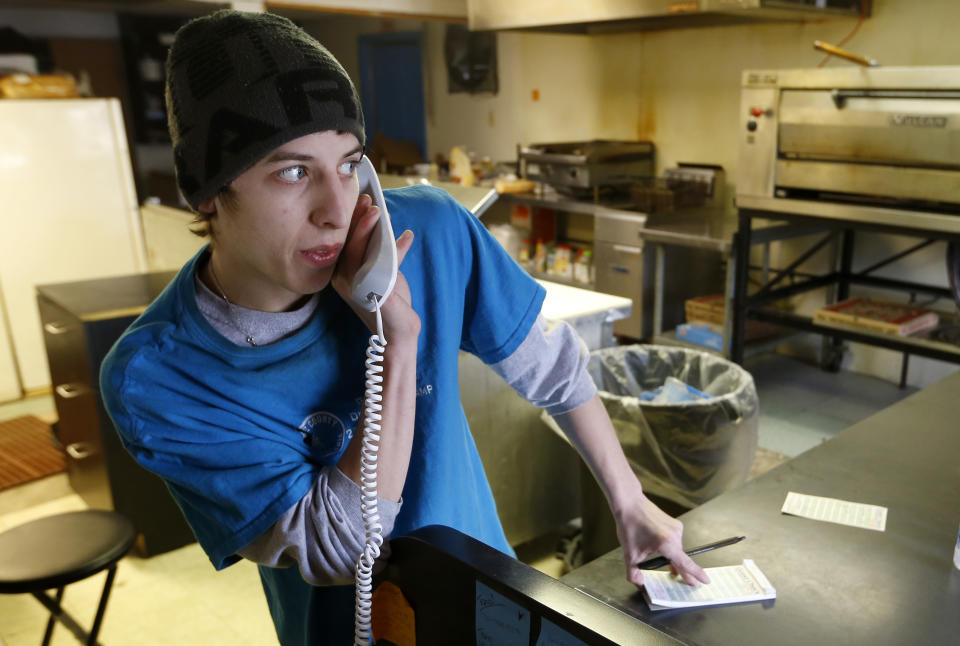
(69, 391)
(619, 269)
(637, 251)
(56, 328)
(79, 450)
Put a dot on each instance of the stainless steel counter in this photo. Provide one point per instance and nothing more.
(671, 243)
(835, 584)
(700, 228)
(553, 200)
(695, 230)
(476, 199)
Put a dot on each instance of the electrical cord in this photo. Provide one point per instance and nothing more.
(368, 484)
(853, 32)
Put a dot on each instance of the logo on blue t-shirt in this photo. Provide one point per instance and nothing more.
(325, 434)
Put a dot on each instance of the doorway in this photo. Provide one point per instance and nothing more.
(391, 92)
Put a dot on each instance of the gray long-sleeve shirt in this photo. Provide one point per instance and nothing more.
(323, 533)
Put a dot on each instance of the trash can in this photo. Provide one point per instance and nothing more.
(684, 452)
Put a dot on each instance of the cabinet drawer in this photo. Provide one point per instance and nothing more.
(620, 229)
(63, 338)
(619, 266)
(78, 430)
(77, 409)
(619, 271)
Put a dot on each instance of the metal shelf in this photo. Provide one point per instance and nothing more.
(841, 228)
(751, 348)
(670, 338)
(924, 345)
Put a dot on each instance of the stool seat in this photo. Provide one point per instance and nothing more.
(57, 550)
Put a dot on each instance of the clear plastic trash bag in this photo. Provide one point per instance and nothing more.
(688, 451)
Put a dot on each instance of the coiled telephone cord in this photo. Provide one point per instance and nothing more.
(368, 485)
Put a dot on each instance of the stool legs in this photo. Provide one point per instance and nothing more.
(52, 621)
(57, 613)
(102, 606)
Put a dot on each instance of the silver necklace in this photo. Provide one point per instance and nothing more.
(231, 308)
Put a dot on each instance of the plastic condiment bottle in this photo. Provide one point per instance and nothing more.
(540, 257)
(588, 265)
(524, 256)
(579, 268)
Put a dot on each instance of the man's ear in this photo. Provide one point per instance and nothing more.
(208, 206)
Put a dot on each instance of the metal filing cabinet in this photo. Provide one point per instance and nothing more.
(618, 257)
(81, 321)
(625, 265)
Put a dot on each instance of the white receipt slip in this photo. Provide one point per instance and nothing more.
(730, 584)
(832, 510)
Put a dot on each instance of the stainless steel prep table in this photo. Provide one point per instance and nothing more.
(692, 229)
(835, 584)
(712, 233)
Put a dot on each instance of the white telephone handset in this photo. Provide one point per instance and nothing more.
(371, 286)
(378, 273)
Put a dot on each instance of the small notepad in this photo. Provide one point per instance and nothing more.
(832, 510)
(730, 584)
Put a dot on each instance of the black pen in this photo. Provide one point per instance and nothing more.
(660, 561)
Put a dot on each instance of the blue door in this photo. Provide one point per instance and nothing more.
(391, 87)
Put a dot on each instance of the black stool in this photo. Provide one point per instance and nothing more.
(58, 550)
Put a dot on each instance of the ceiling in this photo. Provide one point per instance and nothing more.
(188, 7)
(173, 7)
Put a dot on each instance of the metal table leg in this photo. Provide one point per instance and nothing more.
(729, 285)
(741, 250)
(658, 292)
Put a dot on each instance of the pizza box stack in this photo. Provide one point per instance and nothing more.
(878, 316)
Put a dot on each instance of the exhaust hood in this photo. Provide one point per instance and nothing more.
(609, 16)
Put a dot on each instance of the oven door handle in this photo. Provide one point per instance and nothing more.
(840, 96)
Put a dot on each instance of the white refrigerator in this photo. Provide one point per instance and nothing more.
(69, 212)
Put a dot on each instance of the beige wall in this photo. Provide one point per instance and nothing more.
(687, 102)
(562, 69)
(689, 82)
(681, 89)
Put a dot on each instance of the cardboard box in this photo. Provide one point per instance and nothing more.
(879, 316)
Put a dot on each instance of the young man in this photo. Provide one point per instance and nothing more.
(240, 385)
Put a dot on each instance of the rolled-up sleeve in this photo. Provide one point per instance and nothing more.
(548, 368)
(323, 534)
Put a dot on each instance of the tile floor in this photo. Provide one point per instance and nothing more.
(177, 598)
(174, 598)
(802, 406)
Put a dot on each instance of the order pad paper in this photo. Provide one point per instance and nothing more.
(832, 510)
(730, 584)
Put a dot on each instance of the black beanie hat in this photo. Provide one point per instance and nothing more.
(242, 84)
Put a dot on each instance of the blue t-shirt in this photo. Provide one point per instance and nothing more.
(240, 433)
